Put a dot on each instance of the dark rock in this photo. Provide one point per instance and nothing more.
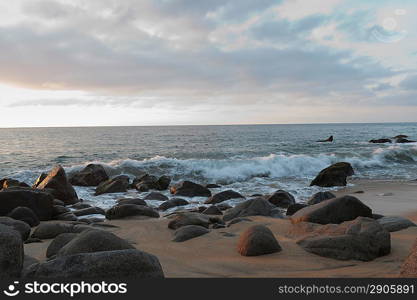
(57, 243)
(39, 202)
(28, 261)
(21, 227)
(120, 264)
(188, 232)
(7, 183)
(118, 184)
(128, 210)
(281, 199)
(51, 230)
(61, 188)
(156, 196)
(253, 207)
(89, 211)
(238, 220)
(173, 203)
(212, 210)
(24, 214)
(257, 240)
(213, 186)
(320, 197)
(328, 140)
(80, 205)
(11, 252)
(400, 136)
(61, 203)
(91, 175)
(59, 210)
(361, 239)
(184, 219)
(223, 206)
(39, 180)
(190, 189)
(359, 192)
(380, 141)
(335, 175)
(136, 201)
(409, 267)
(377, 216)
(33, 240)
(333, 211)
(94, 240)
(224, 196)
(293, 208)
(68, 216)
(218, 226)
(145, 183)
(395, 223)
(403, 141)
(163, 183)
(200, 209)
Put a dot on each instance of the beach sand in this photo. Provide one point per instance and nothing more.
(215, 255)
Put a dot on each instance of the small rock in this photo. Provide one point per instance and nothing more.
(173, 203)
(212, 210)
(257, 240)
(128, 210)
(118, 184)
(156, 196)
(188, 232)
(395, 223)
(320, 197)
(224, 196)
(190, 189)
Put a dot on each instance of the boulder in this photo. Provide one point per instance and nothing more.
(24, 214)
(21, 227)
(94, 240)
(68, 216)
(188, 232)
(190, 189)
(39, 202)
(59, 210)
(89, 211)
(409, 266)
(173, 203)
(136, 201)
(223, 206)
(361, 239)
(253, 207)
(11, 253)
(320, 197)
(380, 141)
(212, 210)
(281, 199)
(238, 220)
(163, 183)
(223, 196)
(403, 141)
(128, 210)
(91, 175)
(120, 264)
(333, 211)
(395, 223)
(156, 196)
(7, 183)
(58, 242)
(293, 208)
(51, 230)
(57, 181)
(39, 179)
(184, 219)
(145, 183)
(335, 175)
(118, 184)
(257, 240)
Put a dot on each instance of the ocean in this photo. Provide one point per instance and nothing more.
(250, 159)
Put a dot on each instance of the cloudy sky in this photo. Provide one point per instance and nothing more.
(165, 62)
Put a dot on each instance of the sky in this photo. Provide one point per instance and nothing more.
(180, 62)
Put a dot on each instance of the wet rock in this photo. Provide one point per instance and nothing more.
(163, 183)
(223, 206)
(190, 189)
(156, 196)
(91, 175)
(257, 240)
(89, 211)
(136, 201)
(213, 186)
(253, 207)
(281, 199)
(173, 203)
(128, 210)
(320, 197)
(403, 141)
(380, 141)
(80, 205)
(224, 196)
(24, 214)
(335, 175)
(68, 216)
(118, 184)
(188, 232)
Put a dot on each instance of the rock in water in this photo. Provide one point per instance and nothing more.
(128, 210)
(190, 189)
(136, 201)
(188, 232)
(223, 196)
(118, 184)
(58, 242)
(91, 175)
(57, 181)
(173, 203)
(403, 141)
(333, 211)
(24, 214)
(395, 223)
(156, 196)
(362, 239)
(118, 264)
(335, 175)
(11, 253)
(281, 199)
(253, 207)
(409, 267)
(257, 240)
(320, 197)
(380, 141)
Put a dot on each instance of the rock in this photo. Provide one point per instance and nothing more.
(59, 210)
(212, 210)
(293, 208)
(94, 240)
(57, 181)
(89, 211)
(118, 184)
(335, 175)
(380, 141)
(403, 141)
(120, 264)
(7, 183)
(173, 203)
(361, 239)
(21, 227)
(39, 180)
(328, 140)
(163, 183)
(11, 252)
(223, 206)
(395, 223)
(39, 202)
(58, 242)
(400, 136)
(190, 189)
(223, 196)
(31, 240)
(238, 220)
(156, 196)
(281, 199)
(377, 216)
(320, 197)
(51, 230)
(184, 219)
(24, 214)
(409, 266)
(61, 203)
(128, 210)
(136, 201)
(91, 175)
(333, 211)
(68, 216)
(149, 182)
(28, 261)
(188, 232)
(80, 205)
(212, 186)
(218, 226)
(253, 207)
(257, 240)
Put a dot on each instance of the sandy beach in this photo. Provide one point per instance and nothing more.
(215, 255)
